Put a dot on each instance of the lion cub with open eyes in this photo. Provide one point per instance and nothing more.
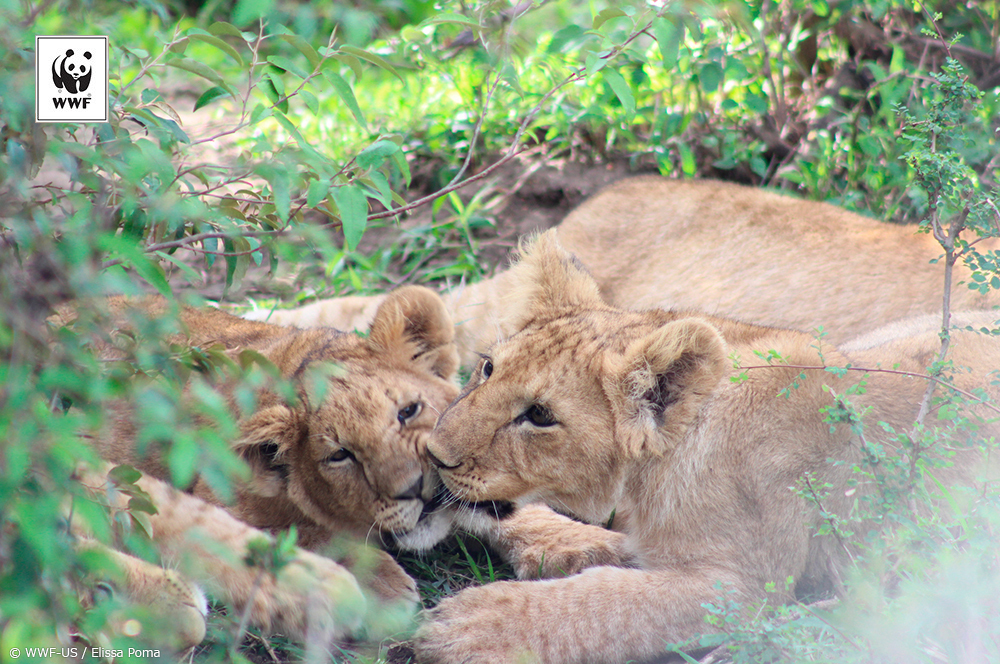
(598, 410)
(348, 466)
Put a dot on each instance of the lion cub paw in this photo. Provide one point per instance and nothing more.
(311, 599)
(477, 626)
(569, 556)
(542, 544)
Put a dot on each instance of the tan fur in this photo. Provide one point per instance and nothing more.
(721, 249)
(382, 397)
(313, 599)
(641, 420)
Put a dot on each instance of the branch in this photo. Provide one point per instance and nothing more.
(897, 372)
(191, 239)
(515, 147)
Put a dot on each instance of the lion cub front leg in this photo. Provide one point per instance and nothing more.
(541, 544)
(605, 614)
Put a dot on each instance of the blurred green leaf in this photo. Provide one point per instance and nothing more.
(210, 95)
(376, 60)
(621, 90)
(202, 36)
(606, 15)
(304, 47)
(346, 94)
(375, 154)
(353, 206)
(288, 65)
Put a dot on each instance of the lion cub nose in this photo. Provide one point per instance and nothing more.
(413, 491)
(436, 461)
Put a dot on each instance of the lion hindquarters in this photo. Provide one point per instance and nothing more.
(180, 606)
(312, 599)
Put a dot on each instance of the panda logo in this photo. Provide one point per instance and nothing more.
(72, 72)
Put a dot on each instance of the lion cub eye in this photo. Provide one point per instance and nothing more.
(343, 454)
(409, 412)
(487, 369)
(540, 416)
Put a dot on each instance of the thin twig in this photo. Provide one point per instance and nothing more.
(911, 374)
(245, 618)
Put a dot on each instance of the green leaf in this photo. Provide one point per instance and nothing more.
(595, 62)
(140, 504)
(273, 89)
(606, 15)
(399, 159)
(236, 266)
(294, 131)
(372, 58)
(210, 244)
(312, 103)
(124, 474)
(192, 275)
(223, 28)
(621, 90)
(456, 19)
(380, 184)
(353, 206)
(318, 190)
(257, 256)
(668, 39)
(202, 36)
(304, 48)
(259, 112)
(246, 11)
(351, 62)
(287, 64)
(342, 88)
(135, 225)
(203, 70)
(278, 178)
(182, 459)
(375, 154)
(710, 77)
(756, 103)
(688, 164)
(210, 95)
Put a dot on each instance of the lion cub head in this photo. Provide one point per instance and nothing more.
(350, 454)
(556, 411)
(347, 454)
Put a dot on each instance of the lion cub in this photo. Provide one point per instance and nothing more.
(599, 411)
(718, 248)
(347, 464)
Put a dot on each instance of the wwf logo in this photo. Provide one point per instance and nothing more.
(72, 72)
(71, 78)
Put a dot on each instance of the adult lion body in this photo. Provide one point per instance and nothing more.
(722, 249)
(347, 463)
(603, 411)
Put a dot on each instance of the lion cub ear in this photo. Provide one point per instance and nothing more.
(413, 323)
(546, 277)
(268, 437)
(660, 383)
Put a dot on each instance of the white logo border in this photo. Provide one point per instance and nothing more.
(106, 87)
